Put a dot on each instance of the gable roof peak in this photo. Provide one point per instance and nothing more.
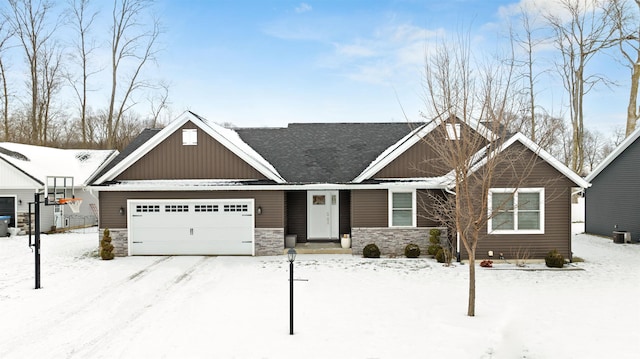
(229, 138)
(633, 136)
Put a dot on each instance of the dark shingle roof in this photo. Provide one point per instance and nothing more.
(324, 152)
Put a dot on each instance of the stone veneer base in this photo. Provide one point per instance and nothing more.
(392, 241)
(268, 241)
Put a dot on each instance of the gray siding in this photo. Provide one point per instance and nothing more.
(614, 196)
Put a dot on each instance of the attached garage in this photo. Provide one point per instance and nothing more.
(8, 208)
(191, 227)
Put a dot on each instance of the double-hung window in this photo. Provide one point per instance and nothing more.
(519, 211)
(402, 208)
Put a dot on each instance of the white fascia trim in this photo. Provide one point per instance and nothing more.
(414, 216)
(536, 149)
(411, 139)
(394, 151)
(142, 186)
(169, 130)
(110, 158)
(145, 148)
(554, 162)
(613, 155)
(261, 165)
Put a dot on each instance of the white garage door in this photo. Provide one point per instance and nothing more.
(191, 227)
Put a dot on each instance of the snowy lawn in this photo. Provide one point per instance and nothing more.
(350, 307)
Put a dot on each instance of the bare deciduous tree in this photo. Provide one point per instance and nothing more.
(50, 85)
(158, 102)
(626, 22)
(29, 20)
(528, 42)
(5, 35)
(458, 91)
(82, 23)
(581, 30)
(133, 46)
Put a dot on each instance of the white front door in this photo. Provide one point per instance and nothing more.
(322, 215)
(58, 216)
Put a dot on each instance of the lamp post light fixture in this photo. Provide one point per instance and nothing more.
(291, 255)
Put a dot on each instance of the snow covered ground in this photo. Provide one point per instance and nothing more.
(350, 307)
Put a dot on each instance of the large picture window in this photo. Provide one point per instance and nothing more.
(516, 210)
(402, 206)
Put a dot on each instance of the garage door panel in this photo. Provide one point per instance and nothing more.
(193, 247)
(191, 227)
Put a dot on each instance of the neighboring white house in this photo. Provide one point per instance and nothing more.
(23, 173)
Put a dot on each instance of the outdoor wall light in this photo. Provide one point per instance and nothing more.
(259, 210)
(121, 211)
(20, 202)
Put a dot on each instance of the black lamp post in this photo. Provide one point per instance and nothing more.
(291, 254)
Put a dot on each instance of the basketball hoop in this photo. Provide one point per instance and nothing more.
(74, 203)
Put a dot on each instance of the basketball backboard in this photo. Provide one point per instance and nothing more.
(57, 188)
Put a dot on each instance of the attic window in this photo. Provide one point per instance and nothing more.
(453, 131)
(189, 137)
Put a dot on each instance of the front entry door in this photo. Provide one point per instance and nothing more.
(322, 215)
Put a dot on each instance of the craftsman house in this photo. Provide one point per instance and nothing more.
(611, 203)
(195, 187)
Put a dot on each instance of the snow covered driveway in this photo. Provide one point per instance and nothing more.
(350, 307)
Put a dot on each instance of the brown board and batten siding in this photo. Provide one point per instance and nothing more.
(271, 202)
(424, 205)
(421, 160)
(557, 216)
(209, 159)
(369, 208)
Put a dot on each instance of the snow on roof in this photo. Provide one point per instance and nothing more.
(246, 152)
(227, 137)
(394, 151)
(40, 162)
(480, 159)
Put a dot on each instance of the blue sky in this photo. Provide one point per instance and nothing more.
(269, 63)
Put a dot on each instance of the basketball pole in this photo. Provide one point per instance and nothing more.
(36, 243)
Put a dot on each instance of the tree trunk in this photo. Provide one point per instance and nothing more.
(632, 108)
(471, 308)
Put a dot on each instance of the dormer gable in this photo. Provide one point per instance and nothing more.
(414, 156)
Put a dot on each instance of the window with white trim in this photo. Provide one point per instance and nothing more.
(453, 131)
(189, 136)
(519, 211)
(402, 206)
